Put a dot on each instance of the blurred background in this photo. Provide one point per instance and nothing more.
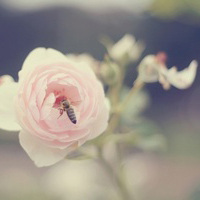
(76, 26)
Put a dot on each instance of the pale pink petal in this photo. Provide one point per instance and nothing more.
(84, 67)
(29, 124)
(183, 79)
(40, 98)
(80, 59)
(39, 153)
(99, 124)
(77, 135)
(40, 57)
(7, 114)
(47, 106)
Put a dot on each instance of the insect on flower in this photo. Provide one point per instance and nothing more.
(49, 85)
(66, 106)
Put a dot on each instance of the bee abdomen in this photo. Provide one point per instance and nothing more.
(71, 115)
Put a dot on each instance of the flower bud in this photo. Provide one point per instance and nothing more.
(127, 49)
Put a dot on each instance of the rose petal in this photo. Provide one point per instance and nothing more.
(47, 106)
(38, 57)
(39, 153)
(7, 114)
(100, 123)
(84, 67)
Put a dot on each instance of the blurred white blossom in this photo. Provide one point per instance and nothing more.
(150, 67)
(6, 79)
(109, 72)
(184, 78)
(153, 69)
(8, 88)
(126, 48)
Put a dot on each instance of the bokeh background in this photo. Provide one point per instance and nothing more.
(77, 26)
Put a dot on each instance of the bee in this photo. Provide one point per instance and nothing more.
(65, 106)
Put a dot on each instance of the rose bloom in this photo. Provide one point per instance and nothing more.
(46, 79)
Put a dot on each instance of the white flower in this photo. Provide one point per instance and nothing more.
(184, 78)
(8, 89)
(6, 79)
(153, 69)
(126, 46)
(149, 69)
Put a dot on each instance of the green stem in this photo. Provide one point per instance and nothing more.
(116, 177)
(114, 121)
(111, 129)
(114, 91)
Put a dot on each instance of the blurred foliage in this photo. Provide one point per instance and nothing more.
(184, 145)
(137, 104)
(196, 193)
(184, 10)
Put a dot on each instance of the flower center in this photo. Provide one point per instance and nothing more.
(58, 101)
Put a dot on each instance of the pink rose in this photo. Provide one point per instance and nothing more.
(46, 80)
